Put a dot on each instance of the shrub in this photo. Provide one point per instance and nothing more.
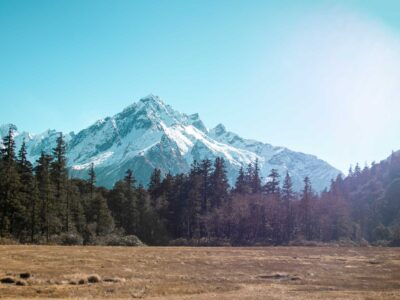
(363, 243)
(304, 243)
(381, 233)
(71, 239)
(346, 242)
(179, 242)
(66, 239)
(116, 240)
(201, 242)
(395, 240)
(381, 243)
(8, 241)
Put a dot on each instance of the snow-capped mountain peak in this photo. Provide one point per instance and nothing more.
(151, 134)
(218, 130)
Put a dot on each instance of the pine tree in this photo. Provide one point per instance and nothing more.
(205, 171)
(305, 205)
(272, 185)
(29, 192)
(194, 198)
(241, 186)
(168, 194)
(130, 179)
(8, 150)
(287, 189)
(143, 231)
(77, 211)
(131, 224)
(219, 184)
(287, 197)
(101, 215)
(59, 176)
(117, 202)
(357, 170)
(49, 221)
(274, 213)
(34, 211)
(12, 213)
(252, 177)
(351, 172)
(24, 165)
(248, 177)
(155, 184)
(177, 206)
(92, 181)
(256, 179)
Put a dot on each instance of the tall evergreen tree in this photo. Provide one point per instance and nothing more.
(306, 206)
(177, 207)
(29, 193)
(288, 196)
(92, 181)
(130, 179)
(33, 208)
(287, 189)
(254, 177)
(219, 184)
(12, 213)
(272, 185)
(8, 150)
(117, 202)
(49, 221)
(101, 215)
(77, 211)
(131, 225)
(59, 176)
(194, 198)
(241, 186)
(357, 170)
(205, 171)
(155, 184)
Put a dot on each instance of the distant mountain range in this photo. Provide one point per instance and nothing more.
(150, 134)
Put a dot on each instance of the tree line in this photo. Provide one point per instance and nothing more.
(40, 204)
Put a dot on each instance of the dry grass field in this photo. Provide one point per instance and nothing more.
(200, 273)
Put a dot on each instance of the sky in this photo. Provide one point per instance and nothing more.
(320, 77)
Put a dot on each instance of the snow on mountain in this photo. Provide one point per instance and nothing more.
(150, 134)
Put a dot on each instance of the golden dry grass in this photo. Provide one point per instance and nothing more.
(203, 273)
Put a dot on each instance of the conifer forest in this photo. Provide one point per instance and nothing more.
(41, 204)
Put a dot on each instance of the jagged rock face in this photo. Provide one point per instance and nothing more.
(150, 134)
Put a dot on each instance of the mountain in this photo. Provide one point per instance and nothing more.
(150, 134)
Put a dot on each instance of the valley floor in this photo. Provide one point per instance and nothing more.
(201, 273)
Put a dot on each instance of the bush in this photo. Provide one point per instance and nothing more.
(381, 233)
(8, 241)
(201, 242)
(395, 240)
(395, 243)
(363, 243)
(346, 242)
(305, 243)
(71, 239)
(381, 243)
(116, 240)
(66, 239)
(179, 242)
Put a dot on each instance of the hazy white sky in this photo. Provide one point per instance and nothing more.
(338, 72)
(321, 77)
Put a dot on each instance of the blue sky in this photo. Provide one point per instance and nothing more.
(320, 77)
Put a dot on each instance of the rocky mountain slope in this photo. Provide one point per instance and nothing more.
(150, 134)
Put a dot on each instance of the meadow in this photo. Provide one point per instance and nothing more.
(199, 273)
